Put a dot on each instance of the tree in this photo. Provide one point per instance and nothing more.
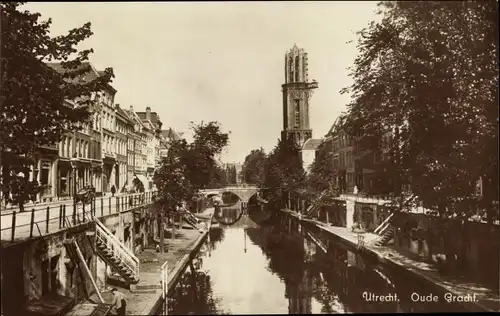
(253, 167)
(219, 178)
(428, 75)
(322, 175)
(138, 185)
(283, 171)
(189, 167)
(33, 107)
(233, 175)
(208, 144)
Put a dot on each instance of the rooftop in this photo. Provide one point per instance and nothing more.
(89, 76)
(170, 134)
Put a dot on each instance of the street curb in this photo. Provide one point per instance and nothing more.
(180, 266)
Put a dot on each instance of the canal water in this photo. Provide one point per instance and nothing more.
(254, 267)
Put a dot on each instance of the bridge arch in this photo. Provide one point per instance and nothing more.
(243, 196)
(243, 193)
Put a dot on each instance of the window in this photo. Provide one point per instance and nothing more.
(297, 73)
(62, 146)
(297, 113)
(45, 173)
(69, 147)
(304, 65)
(290, 69)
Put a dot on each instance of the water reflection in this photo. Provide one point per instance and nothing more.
(194, 295)
(249, 269)
(228, 214)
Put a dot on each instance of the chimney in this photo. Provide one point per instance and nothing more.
(131, 108)
(148, 113)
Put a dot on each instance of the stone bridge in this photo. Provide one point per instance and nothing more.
(243, 192)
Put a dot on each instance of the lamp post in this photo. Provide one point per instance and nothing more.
(74, 162)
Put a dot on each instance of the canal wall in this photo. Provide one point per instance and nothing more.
(440, 285)
(35, 269)
(473, 248)
(145, 297)
(45, 274)
(156, 306)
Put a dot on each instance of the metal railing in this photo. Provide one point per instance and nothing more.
(126, 256)
(39, 222)
(383, 226)
(361, 241)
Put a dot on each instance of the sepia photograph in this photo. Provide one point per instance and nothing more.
(253, 157)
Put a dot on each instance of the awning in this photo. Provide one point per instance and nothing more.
(144, 181)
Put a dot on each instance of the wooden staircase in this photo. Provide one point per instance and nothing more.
(113, 252)
(315, 204)
(191, 219)
(386, 231)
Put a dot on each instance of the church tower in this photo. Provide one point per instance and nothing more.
(297, 91)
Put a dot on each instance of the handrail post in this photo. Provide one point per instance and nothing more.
(102, 206)
(118, 204)
(83, 212)
(13, 225)
(64, 215)
(60, 215)
(109, 204)
(74, 213)
(31, 222)
(47, 220)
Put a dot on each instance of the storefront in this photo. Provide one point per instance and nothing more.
(108, 176)
(65, 179)
(95, 176)
(44, 172)
(149, 176)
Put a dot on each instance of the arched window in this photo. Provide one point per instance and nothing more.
(297, 69)
(290, 68)
(297, 113)
(304, 67)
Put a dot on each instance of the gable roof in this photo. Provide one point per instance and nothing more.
(170, 134)
(337, 125)
(311, 144)
(134, 118)
(124, 114)
(89, 76)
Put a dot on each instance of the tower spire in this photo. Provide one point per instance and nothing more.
(296, 95)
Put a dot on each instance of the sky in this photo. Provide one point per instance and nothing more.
(219, 61)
